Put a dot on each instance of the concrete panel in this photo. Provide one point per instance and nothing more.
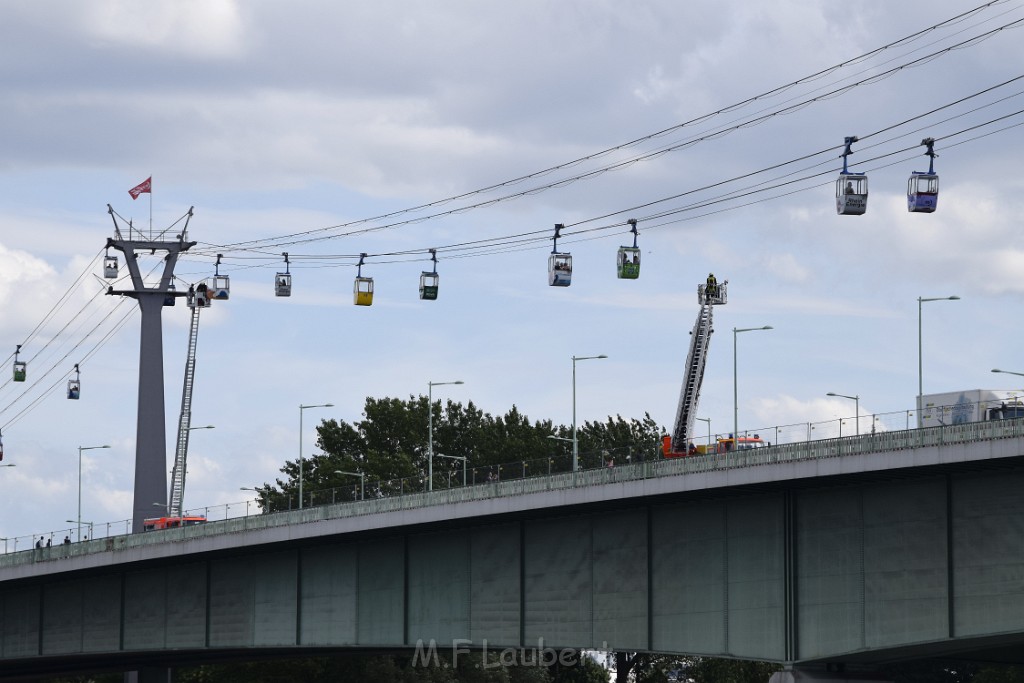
(101, 614)
(559, 582)
(905, 579)
(830, 572)
(756, 574)
(620, 580)
(253, 600)
(494, 585)
(186, 605)
(329, 582)
(381, 598)
(145, 611)
(988, 554)
(689, 569)
(62, 618)
(19, 622)
(439, 587)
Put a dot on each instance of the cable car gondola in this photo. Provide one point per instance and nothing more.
(923, 188)
(629, 257)
(429, 280)
(221, 288)
(362, 291)
(20, 366)
(559, 263)
(169, 299)
(851, 188)
(283, 281)
(110, 266)
(75, 385)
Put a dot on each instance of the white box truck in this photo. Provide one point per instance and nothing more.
(970, 405)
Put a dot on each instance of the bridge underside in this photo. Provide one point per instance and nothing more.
(860, 570)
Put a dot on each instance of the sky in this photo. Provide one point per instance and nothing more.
(273, 119)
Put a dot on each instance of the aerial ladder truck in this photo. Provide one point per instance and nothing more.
(198, 299)
(709, 295)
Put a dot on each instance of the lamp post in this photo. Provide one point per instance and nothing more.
(575, 441)
(303, 409)
(430, 429)
(464, 460)
(79, 522)
(708, 420)
(920, 373)
(735, 385)
(1010, 372)
(362, 478)
(856, 403)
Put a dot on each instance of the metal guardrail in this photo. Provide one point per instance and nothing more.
(793, 452)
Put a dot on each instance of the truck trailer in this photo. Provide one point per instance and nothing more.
(970, 405)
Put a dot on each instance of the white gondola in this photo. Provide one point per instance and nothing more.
(559, 263)
(429, 280)
(851, 188)
(923, 188)
(220, 286)
(75, 385)
(110, 267)
(362, 290)
(283, 281)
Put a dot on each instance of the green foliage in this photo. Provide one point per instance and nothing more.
(390, 446)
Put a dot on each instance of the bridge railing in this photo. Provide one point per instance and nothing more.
(508, 480)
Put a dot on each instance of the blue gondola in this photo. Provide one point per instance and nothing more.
(283, 281)
(362, 290)
(429, 280)
(851, 188)
(169, 298)
(559, 263)
(923, 188)
(628, 261)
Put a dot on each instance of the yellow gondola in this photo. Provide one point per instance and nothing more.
(362, 291)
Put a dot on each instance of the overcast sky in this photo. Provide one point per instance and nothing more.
(276, 118)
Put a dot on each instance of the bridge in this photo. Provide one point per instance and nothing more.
(842, 552)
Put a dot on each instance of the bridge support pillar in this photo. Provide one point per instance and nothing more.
(822, 675)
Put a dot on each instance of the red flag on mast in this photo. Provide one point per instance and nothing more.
(145, 186)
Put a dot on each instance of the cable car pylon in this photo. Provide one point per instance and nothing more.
(150, 438)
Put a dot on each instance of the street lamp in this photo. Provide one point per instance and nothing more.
(1009, 372)
(302, 409)
(920, 373)
(10, 464)
(464, 460)
(430, 429)
(708, 420)
(575, 441)
(735, 390)
(856, 403)
(80, 449)
(362, 478)
(80, 523)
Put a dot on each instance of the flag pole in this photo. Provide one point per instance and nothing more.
(150, 207)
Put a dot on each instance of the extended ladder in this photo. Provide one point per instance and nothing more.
(697, 359)
(185, 420)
